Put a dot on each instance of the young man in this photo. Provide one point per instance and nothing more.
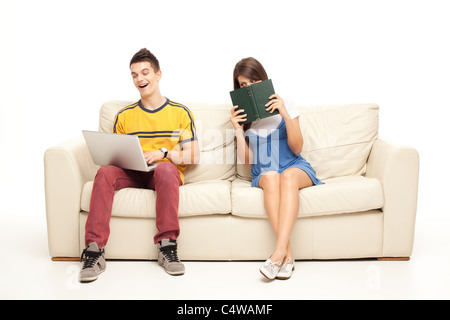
(167, 135)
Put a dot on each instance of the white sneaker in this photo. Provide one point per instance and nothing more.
(270, 269)
(285, 271)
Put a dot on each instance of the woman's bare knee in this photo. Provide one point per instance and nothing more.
(270, 180)
(296, 177)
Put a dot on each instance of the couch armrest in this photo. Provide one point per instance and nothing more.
(67, 167)
(397, 167)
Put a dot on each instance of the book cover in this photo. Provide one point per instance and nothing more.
(253, 99)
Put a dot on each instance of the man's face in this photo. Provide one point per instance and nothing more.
(144, 77)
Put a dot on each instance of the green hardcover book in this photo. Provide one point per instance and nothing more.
(253, 99)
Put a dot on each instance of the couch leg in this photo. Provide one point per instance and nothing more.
(65, 259)
(393, 259)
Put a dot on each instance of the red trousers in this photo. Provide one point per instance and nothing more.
(165, 180)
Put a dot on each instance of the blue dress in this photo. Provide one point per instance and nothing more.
(272, 153)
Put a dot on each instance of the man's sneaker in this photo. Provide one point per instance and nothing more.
(168, 257)
(94, 262)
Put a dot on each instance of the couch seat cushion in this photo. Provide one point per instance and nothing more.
(338, 195)
(199, 198)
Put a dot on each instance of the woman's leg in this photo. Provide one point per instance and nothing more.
(270, 183)
(291, 180)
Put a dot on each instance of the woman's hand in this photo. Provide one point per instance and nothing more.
(237, 117)
(244, 153)
(276, 103)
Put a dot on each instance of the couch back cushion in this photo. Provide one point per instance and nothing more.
(337, 139)
(215, 138)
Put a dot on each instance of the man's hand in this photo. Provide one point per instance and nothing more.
(153, 156)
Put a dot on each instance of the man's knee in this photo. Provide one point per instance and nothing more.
(108, 171)
(166, 167)
(167, 170)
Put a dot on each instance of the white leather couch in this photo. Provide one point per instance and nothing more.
(366, 208)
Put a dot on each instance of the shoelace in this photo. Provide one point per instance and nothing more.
(91, 258)
(170, 253)
(272, 266)
(287, 267)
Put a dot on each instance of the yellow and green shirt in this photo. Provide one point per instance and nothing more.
(168, 126)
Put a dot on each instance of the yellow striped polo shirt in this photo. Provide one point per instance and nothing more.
(168, 126)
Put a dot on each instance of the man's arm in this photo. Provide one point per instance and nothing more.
(189, 153)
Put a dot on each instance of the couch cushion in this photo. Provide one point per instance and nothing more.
(201, 198)
(215, 138)
(338, 138)
(216, 141)
(338, 195)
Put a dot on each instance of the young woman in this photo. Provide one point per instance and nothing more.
(272, 148)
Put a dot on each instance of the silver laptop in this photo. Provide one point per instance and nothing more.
(119, 150)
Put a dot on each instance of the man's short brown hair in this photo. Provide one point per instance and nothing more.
(146, 55)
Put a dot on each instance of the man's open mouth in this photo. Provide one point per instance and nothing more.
(143, 85)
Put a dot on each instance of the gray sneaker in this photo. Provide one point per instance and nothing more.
(168, 257)
(94, 263)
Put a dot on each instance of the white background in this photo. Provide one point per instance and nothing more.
(61, 60)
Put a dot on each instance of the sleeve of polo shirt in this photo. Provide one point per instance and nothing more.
(118, 124)
(188, 130)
